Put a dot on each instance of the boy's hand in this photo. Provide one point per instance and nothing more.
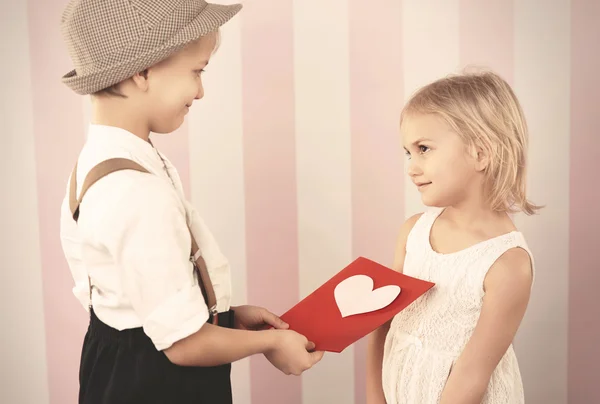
(256, 318)
(292, 353)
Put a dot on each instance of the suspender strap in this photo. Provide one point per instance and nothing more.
(117, 164)
(97, 172)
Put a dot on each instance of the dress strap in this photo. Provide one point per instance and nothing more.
(418, 237)
(494, 248)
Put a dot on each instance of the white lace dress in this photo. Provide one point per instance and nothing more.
(427, 337)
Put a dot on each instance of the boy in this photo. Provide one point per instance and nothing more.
(156, 284)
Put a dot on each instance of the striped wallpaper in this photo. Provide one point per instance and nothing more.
(294, 160)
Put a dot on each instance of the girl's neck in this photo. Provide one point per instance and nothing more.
(472, 216)
(473, 213)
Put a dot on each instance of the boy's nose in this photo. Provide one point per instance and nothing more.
(200, 92)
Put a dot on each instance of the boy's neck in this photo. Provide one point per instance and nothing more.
(119, 114)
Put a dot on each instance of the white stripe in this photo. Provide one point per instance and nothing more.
(542, 76)
(24, 364)
(217, 172)
(431, 50)
(322, 99)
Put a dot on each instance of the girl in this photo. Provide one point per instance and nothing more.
(144, 263)
(466, 139)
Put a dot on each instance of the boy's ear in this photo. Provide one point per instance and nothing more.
(141, 80)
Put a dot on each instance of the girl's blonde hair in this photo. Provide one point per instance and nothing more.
(483, 109)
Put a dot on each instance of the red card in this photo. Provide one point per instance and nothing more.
(348, 306)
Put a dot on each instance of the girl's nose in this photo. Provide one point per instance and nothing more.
(414, 169)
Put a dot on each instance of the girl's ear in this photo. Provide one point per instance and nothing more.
(479, 157)
(482, 159)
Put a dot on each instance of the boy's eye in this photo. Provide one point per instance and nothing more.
(407, 153)
(199, 72)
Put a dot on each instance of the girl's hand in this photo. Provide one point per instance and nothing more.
(256, 318)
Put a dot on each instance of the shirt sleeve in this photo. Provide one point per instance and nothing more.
(147, 236)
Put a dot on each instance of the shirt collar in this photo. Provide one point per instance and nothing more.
(118, 138)
(114, 134)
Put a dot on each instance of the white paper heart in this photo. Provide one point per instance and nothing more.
(355, 295)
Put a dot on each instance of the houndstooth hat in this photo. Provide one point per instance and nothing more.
(111, 40)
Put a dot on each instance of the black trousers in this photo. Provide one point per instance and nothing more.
(124, 367)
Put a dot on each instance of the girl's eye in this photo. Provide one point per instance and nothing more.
(422, 149)
(199, 72)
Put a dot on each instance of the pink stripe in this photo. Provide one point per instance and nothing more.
(270, 178)
(58, 136)
(487, 35)
(176, 147)
(584, 277)
(376, 88)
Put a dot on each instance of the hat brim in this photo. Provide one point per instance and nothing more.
(208, 20)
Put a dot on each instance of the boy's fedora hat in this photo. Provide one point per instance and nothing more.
(111, 40)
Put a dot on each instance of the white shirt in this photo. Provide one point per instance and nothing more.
(132, 239)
